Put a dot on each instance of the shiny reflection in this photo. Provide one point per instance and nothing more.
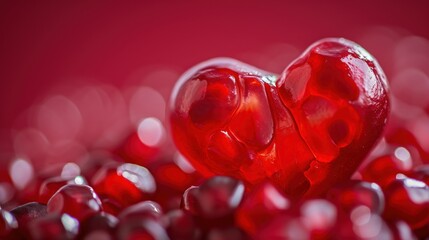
(367, 225)
(10, 220)
(70, 224)
(79, 180)
(360, 215)
(417, 191)
(237, 195)
(140, 176)
(93, 203)
(183, 163)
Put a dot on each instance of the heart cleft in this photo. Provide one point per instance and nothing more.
(304, 130)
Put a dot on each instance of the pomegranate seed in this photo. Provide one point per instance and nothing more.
(215, 201)
(96, 161)
(29, 212)
(259, 207)
(142, 210)
(125, 184)
(51, 185)
(98, 226)
(329, 108)
(7, 222)
(111, 206)
(383, 170)
(144, 230)
(53, 226)
(181, 226)
(171, 181)
(407, 199)
(354, 193)
(80, 201)
(190, 200)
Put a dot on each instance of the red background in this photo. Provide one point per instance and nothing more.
(50, 43)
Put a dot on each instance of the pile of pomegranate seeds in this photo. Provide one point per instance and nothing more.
(302, 155)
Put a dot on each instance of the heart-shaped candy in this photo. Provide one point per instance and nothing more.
(304, 130)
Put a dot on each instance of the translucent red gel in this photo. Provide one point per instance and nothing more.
(304, 130)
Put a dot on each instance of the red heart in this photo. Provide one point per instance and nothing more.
(305, 130)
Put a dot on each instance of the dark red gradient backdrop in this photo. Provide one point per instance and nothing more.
(50, 43)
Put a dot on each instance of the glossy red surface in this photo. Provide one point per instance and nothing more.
(7, 222)
(50, 227)
(124, 184)
(355, 193)
(304, 130)
(79, 201)
(28, 212)
(51, 186)
(259, 207)
(383, 170)
(98, 226)
(407, 199)
(181, 225)
(214, 202)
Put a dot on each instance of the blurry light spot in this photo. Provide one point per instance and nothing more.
(295, 230)
(10, 219)
(183, 163)
(404, 156)
(151, 132)
(371, 229)
(70, 170)
(237, 195)
(21, 172)
(70, 223)
(365, 224)
(360, 215)
(93, 204)
(404, 230)
(275, 197)
(400, 176)
(318, 214)
(417, 191)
